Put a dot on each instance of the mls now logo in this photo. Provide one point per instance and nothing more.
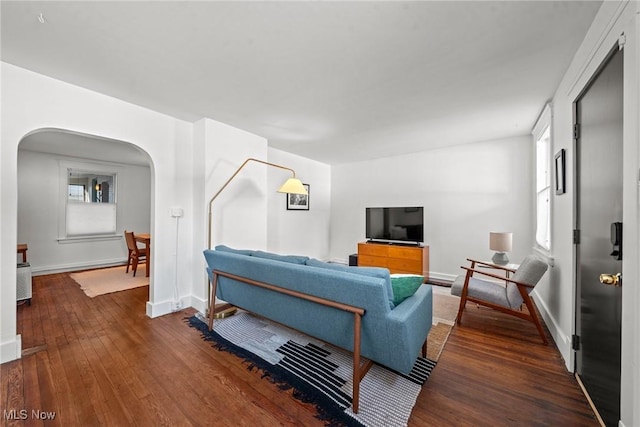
(23, 414)
(37, 414)
(15, 414)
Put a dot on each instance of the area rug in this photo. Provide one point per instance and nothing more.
(445, 305)
(107, 280)
(320, 373)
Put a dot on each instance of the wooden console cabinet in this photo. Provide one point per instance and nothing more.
(398, 259)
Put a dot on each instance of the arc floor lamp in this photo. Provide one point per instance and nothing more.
(292, 185)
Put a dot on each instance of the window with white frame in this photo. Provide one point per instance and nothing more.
(542, 138)
(90, 201)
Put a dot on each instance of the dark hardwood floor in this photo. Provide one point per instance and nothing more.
(101, 361)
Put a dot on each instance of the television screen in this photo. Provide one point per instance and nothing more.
(402, 224)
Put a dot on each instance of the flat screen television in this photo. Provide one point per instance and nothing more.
(395, 224)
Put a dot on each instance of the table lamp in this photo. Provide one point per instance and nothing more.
(501, 243)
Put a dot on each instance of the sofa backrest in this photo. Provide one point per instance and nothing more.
(367, 291)
(382, 273)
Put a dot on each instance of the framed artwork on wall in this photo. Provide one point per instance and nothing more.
(298, 202)
(560, 172)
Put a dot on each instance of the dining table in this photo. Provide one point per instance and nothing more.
(145, 238)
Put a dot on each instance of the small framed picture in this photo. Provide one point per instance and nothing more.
(560, 172)
(298, 202)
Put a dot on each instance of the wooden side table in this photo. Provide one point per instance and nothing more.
(508, 269)
(22, 249)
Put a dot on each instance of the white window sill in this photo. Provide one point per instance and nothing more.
(545, 254)
(84, 239)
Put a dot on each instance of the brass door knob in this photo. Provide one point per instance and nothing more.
(611, 279)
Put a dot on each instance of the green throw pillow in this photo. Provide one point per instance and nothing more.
(404, 285)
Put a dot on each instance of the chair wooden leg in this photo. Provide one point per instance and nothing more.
(534, 318)
(463, 302)
(358, 372)
(463, 297)
(135, 266)
(356, 363)
(212, 300)
(128, 261)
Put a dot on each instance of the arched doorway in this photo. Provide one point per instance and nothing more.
(47, 158)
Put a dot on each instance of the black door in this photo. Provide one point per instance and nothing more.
(598, 113)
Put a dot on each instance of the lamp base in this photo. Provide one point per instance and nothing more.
(500, 258)
(221, 311)
(225, 313)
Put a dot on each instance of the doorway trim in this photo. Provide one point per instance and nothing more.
(617, 46)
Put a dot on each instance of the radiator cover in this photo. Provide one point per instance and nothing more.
(23, 285)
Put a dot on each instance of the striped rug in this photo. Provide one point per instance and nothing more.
(318, 372)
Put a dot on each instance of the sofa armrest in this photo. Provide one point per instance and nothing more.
(409, 324)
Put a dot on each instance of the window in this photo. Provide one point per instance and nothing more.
(542, 138)
(76, 192)
(90, 202)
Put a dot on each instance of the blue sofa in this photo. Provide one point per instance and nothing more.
(359, 316)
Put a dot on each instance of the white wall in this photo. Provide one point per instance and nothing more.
(31, 101)
(40, 208)
(299, 231)
(239, 216)
(556, 296)
(467, 191)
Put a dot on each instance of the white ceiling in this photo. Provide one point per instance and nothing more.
(332, 81)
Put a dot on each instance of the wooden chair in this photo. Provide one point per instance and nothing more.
(136, 254)
(504, 293)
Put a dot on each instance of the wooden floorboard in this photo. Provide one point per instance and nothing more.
(102, 362)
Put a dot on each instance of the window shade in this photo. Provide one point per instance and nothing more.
(91, 218)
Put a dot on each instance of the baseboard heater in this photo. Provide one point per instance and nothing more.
(23, 284)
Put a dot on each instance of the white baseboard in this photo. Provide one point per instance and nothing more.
(199, 304)
(11, 350)
(562, 340)
(442, 277)
(170, 306)
(158, 309)
(63, 268)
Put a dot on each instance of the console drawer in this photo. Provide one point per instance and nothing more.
(373, 249)
(372, 261)
(398, 259)
(406, 265)
(405, 253)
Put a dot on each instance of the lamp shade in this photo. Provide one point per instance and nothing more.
(500, 241)
(293, 186)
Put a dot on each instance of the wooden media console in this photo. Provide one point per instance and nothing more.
(397, 258)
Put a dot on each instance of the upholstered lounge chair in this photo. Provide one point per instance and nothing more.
(506, 292)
